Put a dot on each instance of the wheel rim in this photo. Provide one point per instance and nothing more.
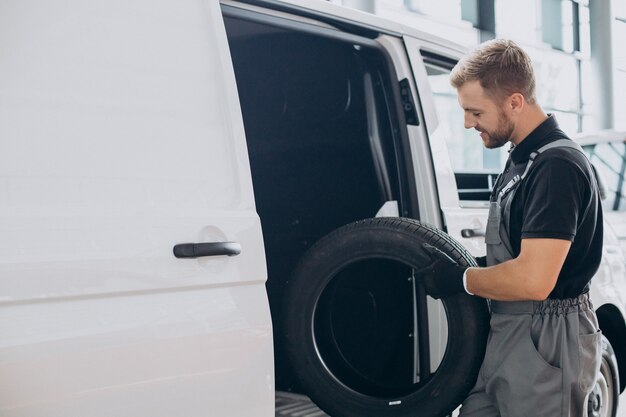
(347, 365)
(600, 400)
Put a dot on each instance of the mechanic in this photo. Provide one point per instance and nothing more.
(544, 243)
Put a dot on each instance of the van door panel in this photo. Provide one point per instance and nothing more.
(456, 216)
(121, 137)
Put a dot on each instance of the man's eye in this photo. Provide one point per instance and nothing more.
(476, 114)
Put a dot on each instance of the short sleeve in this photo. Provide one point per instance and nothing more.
(553, 194)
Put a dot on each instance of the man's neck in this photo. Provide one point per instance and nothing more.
(527, 122)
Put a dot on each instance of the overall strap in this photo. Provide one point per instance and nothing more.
(504, 250)
(560, 143)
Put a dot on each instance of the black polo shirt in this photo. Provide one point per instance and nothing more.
(558, 199)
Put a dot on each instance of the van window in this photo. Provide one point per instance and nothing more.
(610, 161)
(475, 167)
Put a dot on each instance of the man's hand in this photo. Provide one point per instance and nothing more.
(443, 276)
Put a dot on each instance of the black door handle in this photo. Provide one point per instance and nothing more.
(196, 250)
(472, 232)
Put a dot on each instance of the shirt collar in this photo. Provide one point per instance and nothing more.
(534, 140)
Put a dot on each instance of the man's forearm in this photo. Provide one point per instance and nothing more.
(504, 282)
(530, 276)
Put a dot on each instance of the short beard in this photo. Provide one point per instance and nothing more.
(501, 135)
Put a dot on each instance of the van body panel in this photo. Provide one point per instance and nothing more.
(423, 175)
(122, 136)
(453, 217)
(190, 353)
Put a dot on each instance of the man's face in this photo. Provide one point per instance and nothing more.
(485, 115)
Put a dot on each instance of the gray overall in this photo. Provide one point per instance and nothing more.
(542, 357)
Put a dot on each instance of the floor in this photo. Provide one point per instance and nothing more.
(295, 405)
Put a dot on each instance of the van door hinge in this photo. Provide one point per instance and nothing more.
(408, 105)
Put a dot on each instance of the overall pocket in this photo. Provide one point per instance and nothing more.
(590, 354)
(525, 383)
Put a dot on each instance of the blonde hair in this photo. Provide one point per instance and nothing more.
(501, 67)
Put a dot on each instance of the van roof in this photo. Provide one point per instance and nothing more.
(334, 13)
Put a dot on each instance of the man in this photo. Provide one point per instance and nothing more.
(544, 243)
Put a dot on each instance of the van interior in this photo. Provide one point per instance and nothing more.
(323, 148)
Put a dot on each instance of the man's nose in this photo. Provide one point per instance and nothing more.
(469, 122)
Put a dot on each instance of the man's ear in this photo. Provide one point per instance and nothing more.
(516, 103)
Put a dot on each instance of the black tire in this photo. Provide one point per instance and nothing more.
(333, 378)
(604, 398)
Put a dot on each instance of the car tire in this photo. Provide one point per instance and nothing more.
(604, 398)
(333, 381)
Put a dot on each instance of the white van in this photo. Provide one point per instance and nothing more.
(165, 165)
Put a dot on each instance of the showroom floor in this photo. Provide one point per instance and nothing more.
(294, 405)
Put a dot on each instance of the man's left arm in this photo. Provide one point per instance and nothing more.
(553, 198)
(554, 192)
(530, 276)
